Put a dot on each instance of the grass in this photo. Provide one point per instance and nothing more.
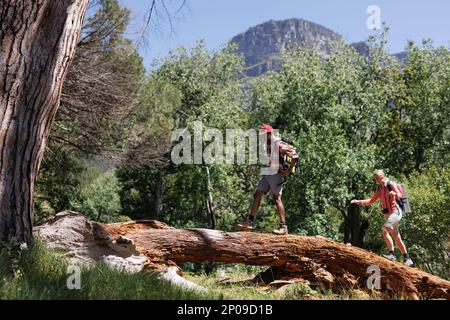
(41, 274)
(236, 290)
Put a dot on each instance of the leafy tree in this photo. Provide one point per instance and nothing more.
(58, 181)
(427, 228)
(99, 199)
(201, 86)
(146, 156)
(416, 126)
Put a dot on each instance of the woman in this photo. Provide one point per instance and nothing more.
(392, 215)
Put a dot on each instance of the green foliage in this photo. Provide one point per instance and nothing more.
(109, 20)
(189, 85)
(148, 147)
(207, 83)
(326, 225)
(10, 255)
(185, 200)
(374, 240)
(137, 191)
(58, 181)
(158, 102)
(415, 131)
(99, 199)
(427, 229)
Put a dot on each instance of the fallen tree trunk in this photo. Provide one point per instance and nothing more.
(72, 233)
(311, 259)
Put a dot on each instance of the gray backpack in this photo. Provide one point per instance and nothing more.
(402, 198)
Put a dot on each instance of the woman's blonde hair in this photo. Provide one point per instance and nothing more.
(379, 173)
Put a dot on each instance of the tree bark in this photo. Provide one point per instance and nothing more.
(159, 195)
(354, 228)
(298, 257)
(37, 42)
(210, 202)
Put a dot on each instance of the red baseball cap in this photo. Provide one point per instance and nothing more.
(266, 128)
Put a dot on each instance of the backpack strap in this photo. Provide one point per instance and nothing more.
(386, 200)
(397, 199)
(389, 186)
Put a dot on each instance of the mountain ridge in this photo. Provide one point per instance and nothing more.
(262, 45)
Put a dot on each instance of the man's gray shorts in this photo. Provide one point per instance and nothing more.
(272, 183)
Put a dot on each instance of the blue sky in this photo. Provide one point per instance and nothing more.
(217, 21)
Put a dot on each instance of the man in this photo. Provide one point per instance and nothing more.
(272, 183)
(387, 191)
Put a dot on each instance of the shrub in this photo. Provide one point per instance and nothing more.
(100, 199)
(427, 229)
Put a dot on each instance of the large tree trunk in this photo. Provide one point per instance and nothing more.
(37, 42)
(298, 257)
(354, 228)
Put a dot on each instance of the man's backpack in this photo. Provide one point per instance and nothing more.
(288, 158)
(402, 198)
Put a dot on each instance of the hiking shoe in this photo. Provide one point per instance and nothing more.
(246, 226)
(282, 230)
(390, 256)
(408, 262)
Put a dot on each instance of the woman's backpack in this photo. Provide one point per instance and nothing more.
(402, 198)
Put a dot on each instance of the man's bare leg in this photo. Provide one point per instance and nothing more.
(280, 208)
(256, 202)
(248, 224)
(282, 230)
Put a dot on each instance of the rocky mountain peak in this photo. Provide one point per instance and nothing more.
(263, 44)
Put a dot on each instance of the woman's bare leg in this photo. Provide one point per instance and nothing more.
(398, 241)
(388, 239)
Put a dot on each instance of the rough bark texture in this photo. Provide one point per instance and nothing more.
(304, 259)
(355, 227)
(37, 42)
